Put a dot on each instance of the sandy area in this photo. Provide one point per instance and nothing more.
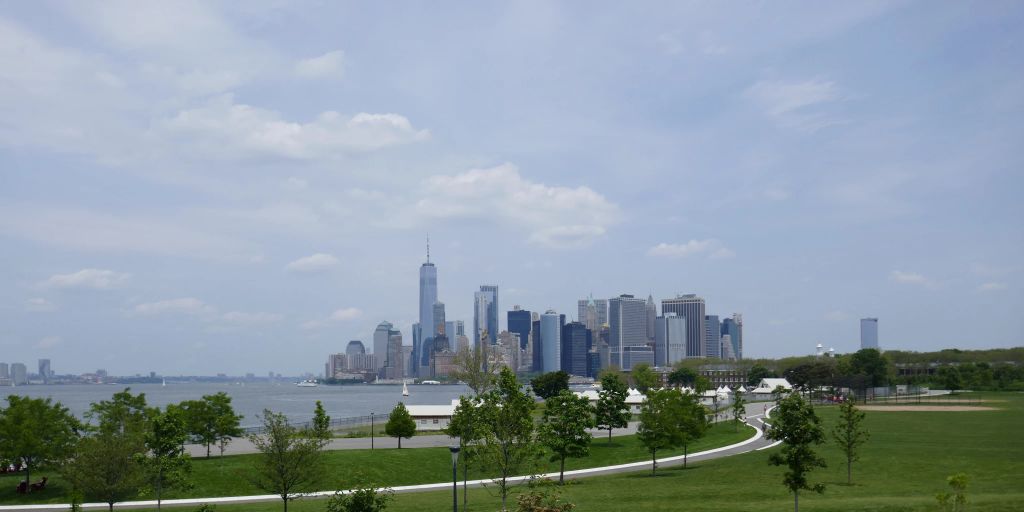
(924, 408)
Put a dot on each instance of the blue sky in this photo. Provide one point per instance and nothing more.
(221, 187)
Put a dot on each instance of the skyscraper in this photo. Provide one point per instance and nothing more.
(381, 337)
(519, 323)
(713, 336)
(669, 339)
(492, 311)
(652, 313)
(690, 307)
(868, 333)
(19, 374)
(355, 347)
(627, 323)
(481, 305)
(5, 372)
(396, 356)
(575, 338)
(550, 333)
(439, 321)
(538, 345)
(428, 296)
(598, 308)
(733, 327)
(44, 370)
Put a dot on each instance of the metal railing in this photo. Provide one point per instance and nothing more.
(335, 424)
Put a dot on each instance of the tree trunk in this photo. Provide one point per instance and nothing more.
(399, 442)
(207, 450)
(561, 473)
(796, 501)
(609, 435)
(28, 476)
(848, 477)
(654, 462)
(159, 486)
(286, 504)
(465, 470)
(685, 455)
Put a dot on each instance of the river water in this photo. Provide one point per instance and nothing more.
(295, 402)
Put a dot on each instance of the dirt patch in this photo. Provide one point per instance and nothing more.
(925, 408)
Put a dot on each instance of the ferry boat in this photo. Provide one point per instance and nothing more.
(431, 382)
(307, 384)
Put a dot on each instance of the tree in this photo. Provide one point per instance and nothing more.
(363, 499)
(226, 424)
(508, 444)
(956, 500)
(123, 413)
(200, 422)
(564, 429)
(700, 385)
(682, 376)
(692, 421)
(795, 423)
(758, 372)
(611, 411)
(870, 363)
(36, 431)
(950, 378)
(850, 434)
(289, 461)
(471, 367)
(321, 424)
(739, 407)
(108, 467)
(644, 377)
(166, 465)
(659, 423)
(466, 426)
(400, 424)
(550, 384)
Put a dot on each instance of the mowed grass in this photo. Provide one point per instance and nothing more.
(227, 476)
(902, 467)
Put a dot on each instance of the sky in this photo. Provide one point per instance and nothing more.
(224, 187)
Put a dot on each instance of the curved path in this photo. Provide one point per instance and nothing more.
(757, 442)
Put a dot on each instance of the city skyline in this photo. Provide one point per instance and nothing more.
(198, 188)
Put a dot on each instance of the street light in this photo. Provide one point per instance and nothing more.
(371, 430)
(455, 476)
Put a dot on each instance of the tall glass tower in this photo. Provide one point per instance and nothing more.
(428, 296)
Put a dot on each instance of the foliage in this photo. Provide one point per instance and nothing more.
(701, 384)
(400, 424)
(206, 507)
(321, 429)
(107, 467)
(795, 423)
(738, 408)
(693, 421)
(123, 413)
(363, 499)
(547, 385)
(849, 434)
(541, 499)
(956, 500)
(199, 422)
(758, 372)
(682, 376)
(36, 431)
(660, 416)
(611, 411)
(870, 363)
(226, 424)
(289, 461)
(949, 378)
(564, 428)
(644, 378)
(466, 425)
(819, 372)
(166, 464)
(471, 368)
(508, 445)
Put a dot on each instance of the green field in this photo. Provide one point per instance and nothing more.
(902, 468)
(226, 476)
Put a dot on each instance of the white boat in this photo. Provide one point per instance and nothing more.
(405, 389)
(307, 384)
(164, 383)
(431, 382)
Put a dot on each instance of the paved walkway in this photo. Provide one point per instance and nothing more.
(757, 442)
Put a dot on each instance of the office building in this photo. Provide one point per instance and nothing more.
(355, 347)
(690, 307)
(439, 322)
(727, 353)
(397, 353)
(869, 333)
(537, 355)
(336, 365)
(454, 329)
(19, 374)
(485, 312)
(627, 325)
(551, 341)
(593, 364)
(575, 339)
(652, 313)
(593, 313)
(633, 355)
(381, 336)
(44, 370)
(713, 336)
(733, 327)
(428, 297)
(5, 371)
(669, 339)
(519, 323)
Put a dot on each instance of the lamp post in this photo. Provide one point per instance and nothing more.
(455, 476)
(371, 430)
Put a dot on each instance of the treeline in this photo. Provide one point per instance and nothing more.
(955, 355)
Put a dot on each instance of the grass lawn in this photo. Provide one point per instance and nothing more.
(226, 476)
(902, 467)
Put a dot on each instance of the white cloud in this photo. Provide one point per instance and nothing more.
(240, 317)
(557, 217)
(711, 246)
(225, 129)
(796, 104)
(94, 278)
(48, 342)
(318, 262)
(992, 287)
(184, 305)
(328, 65)
(344, 314)
(39, 305)
(911, 278)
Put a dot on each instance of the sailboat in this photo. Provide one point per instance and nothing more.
(164, 383)
(405, 389)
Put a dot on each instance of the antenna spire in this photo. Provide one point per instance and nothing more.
(428, 248)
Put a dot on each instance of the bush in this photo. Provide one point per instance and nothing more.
(206, 507)
(542, 498)
(367, 499)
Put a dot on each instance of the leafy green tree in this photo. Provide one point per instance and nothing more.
(400, 424)
(550, 384)
(955, 501)
(471, 367)
(644, 378)
(700, 385)
(611, 411)
(36, 431)
(363, 499)
(950, 378)
(123, 413)
(660, 416)
(226, 424)
(321, 424)
(166, 464)
(739, 407)
(564, 428)
(200, 422)
(682, 376)
(108, 467)
(872, 364)
(289, 461)
(758, 372)
(850, 434)
(508, 444)
(692, 421)
(795, 423)
(465, 425)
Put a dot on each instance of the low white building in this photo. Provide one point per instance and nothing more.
(432, 417)
(767, 386)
